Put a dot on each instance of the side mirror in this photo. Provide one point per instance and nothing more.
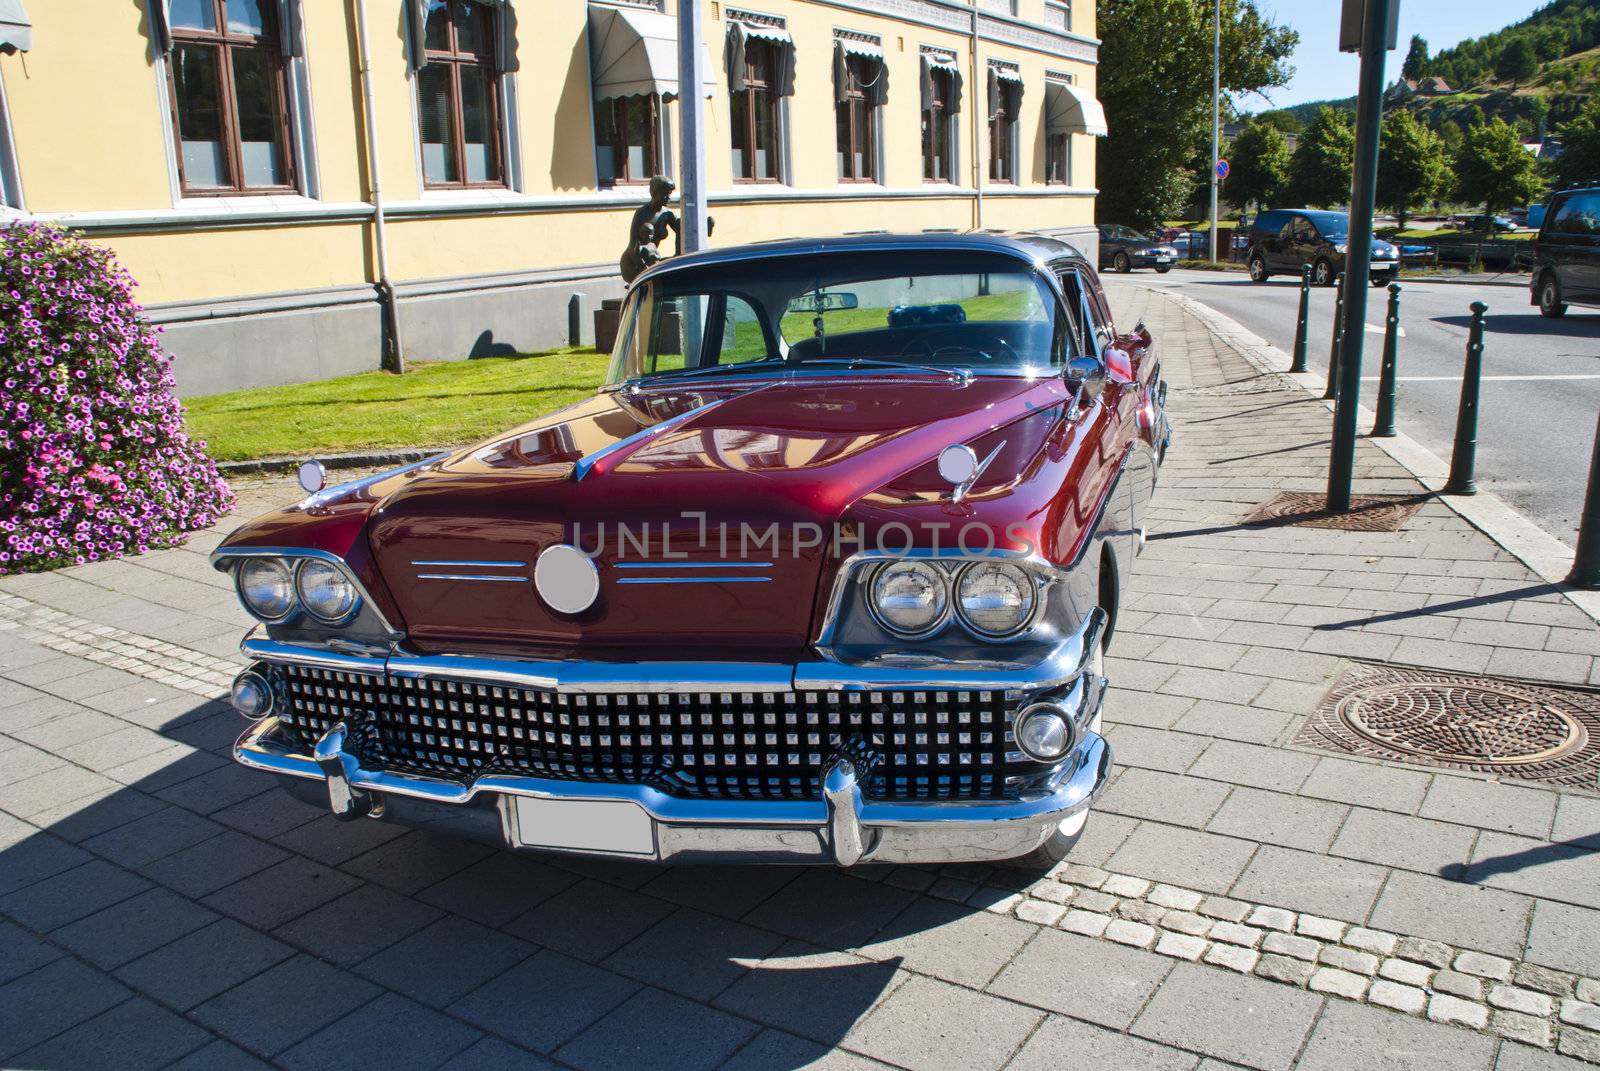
(1087, 375)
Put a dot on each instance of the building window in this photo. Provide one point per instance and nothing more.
(754, 115)
(458, 102)
(855, 119)
(938, 123)
(229, 93)
(1058, 160)
(627, 138)
(1005, 100)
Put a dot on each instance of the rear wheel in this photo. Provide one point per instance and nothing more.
(1258, 269)
(1162, 269)
(1550, 303)
(1122, 263)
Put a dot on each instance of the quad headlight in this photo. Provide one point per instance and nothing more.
(266, 587)
(325, 591)
(994, 599)
(909, 598)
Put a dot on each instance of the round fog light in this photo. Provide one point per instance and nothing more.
(250, 695)
(1044, 733)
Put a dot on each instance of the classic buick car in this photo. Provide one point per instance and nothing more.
(822, 574)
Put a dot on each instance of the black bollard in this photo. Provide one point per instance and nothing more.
(1338, 339)
(1383, 427)
(1586, 565)
(1304, 326)
(1464, 459)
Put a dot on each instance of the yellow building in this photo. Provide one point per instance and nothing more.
(235, 153)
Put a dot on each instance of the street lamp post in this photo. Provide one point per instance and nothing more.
(1216, 117)
(692, 111)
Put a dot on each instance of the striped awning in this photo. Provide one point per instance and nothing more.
(16, 32)
(1071, 110)
(634, 52)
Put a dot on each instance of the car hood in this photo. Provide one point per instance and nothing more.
(662, 486)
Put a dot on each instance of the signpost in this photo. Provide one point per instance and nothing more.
(1378, 19)
(692, 115)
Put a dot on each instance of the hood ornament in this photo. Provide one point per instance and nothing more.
(959, 466)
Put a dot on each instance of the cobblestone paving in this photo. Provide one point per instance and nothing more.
(1235, 900)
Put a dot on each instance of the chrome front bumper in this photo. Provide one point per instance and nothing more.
(842, 828)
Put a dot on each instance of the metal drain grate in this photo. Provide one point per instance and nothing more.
(1513, 729)
(1368, 513)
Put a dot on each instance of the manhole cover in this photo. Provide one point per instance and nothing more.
(1368, 513)
(1509, 728)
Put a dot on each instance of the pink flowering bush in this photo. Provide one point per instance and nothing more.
(94, 459)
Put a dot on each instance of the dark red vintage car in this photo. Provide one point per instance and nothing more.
(823, 573)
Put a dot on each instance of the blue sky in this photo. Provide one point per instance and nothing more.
(1323, 72)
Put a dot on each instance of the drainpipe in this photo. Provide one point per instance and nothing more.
(393, 353)
(979, 91)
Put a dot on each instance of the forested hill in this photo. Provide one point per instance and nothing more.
(1557, 31)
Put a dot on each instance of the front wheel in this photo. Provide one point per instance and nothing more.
(1550, 303)
(1322, 273)
(1258, 270)
(1162, 269)
(1122, 263)
(1381, 281)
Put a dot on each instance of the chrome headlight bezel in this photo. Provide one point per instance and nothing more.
(1027, 583)
(314, 566)
(941, 584)
(292, 606)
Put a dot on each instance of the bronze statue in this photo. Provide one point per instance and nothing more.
(651, 222)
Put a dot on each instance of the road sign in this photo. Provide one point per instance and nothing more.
(1222, 169)
(1350, 19)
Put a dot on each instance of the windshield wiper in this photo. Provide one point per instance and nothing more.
(962, 375)
(688, 373)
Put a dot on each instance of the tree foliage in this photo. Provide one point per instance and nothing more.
(1258, 166)
(1517, 62)
(1412, 166)
(1155, 83)
(1319, 170)
(1493, 169)
(1580, 160)
(1416, 62)
(1556, 30)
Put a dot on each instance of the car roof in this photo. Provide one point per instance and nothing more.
(1035, 249)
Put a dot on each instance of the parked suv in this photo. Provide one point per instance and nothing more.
(1286, 239)
(1566, 254)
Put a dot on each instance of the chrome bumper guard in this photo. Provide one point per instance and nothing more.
(842, 827)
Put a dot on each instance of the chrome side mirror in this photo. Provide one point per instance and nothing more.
(1087, 376)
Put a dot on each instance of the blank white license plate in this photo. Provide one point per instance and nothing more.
(590, 825)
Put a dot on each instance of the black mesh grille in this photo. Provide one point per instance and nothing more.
(738, 745)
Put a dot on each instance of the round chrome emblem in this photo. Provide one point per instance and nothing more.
(957, 464)
(566, 579)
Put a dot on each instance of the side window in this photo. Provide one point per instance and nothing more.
(1303, 230)
(1073, 340)
(1287, 234)
(1579, 215)
(742, 337)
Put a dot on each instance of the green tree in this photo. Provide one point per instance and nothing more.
(1258, 166)
(1155, 83)
(1283, 119)
(1412, 167)
(1493, 169)
(1416, 62)
(1580, 158)
(1319, 170)
(1539, 114)
(1450, 134)
(1517, 61)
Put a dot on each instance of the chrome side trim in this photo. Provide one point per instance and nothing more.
(456, 563)
(223, 559)
(265, 650)
(691, 565)
(695, 580)
(471, 576)
(586, 464)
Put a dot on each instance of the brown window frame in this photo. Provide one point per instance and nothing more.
(1002, 138)
(1063, 174)
(619, 124)
(936, 117)
(856, 112)
(455, 59)
(754, 51)
(224, 45)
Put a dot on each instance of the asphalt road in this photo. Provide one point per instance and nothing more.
(1541, 388)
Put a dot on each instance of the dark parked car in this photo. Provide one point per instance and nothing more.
(822, 574)
(1125, 249)
(1566, 254)
(1287, 239)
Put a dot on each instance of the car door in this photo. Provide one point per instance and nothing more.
(1573, 246)
(1304, 244)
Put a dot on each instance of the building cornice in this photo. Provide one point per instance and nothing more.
(956, 17)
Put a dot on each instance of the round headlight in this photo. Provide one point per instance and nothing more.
(909, 598)
(325, 591)
(994, 598)
(1044, 733)
(250, 695)
(266, 588)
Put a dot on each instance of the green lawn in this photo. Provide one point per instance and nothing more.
(436, 404)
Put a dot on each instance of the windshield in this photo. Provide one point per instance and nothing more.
(943, 310)
(1330, 225)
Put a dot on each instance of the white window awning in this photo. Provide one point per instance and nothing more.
(634, 52)
(762, 32)
(1069, 109)
(16, 32)
(864, 49)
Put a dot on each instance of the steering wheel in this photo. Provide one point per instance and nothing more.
(964, 347)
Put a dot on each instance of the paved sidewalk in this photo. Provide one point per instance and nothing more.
(1238, 899)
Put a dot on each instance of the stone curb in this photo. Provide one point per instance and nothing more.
(369, 459)
(1543, 553)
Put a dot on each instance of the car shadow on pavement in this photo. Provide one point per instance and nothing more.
(1452, 607)
(196, 908)
(1574, 325)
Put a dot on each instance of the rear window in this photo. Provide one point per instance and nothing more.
(1578, 214)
